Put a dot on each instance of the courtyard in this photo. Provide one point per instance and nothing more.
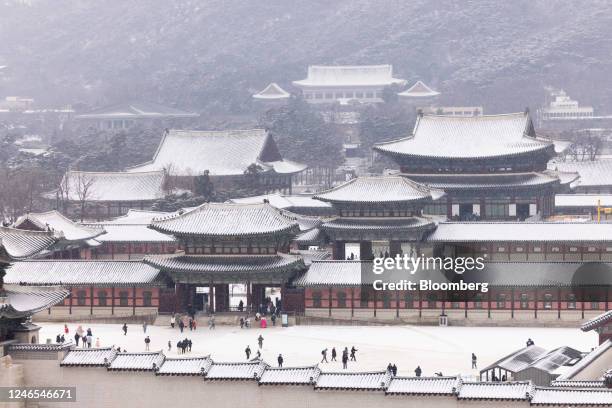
(434, 349)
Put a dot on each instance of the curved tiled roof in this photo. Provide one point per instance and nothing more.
(55, 221)
(145, 361)
(91, 357)
(236, 371)
(382, 189)
(451, 137)
(220, 153)
(133, 233)
(390, 224)
(112, 186)
(21, 244)
(597, 321)
(22, 301)
(136, 110)
(185, 366)
(572, 397)
(226, 264)
(290, 376)
(419, 90)
(354, 381)
(519, 390)
(486, 181)
(225, 219)
(424, 386)
(272, 92)
(81, 272)
(592, 173)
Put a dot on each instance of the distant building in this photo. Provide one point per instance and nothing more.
(272, 93)
(419, 94)
(16, 103)
(562, 107)
(595, 176)
(343, 84)
(226, 155)
(124, 116)
(107, 194)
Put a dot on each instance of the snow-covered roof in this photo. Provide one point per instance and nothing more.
(413, 224)
(556, 358)
(25, 301)
(226, 265)
(418, 90)
(284, 202)
(220, 153)
(349, 75)
(185, 366)
(136, 110)
(21, 244)
(133, 233)
(145, 361)
(226, 219)
(235, 371)
(518, 390)
(521, 232)
(597, 321)
(572, 396)
(485, 136)
(112, 186)
(578, 383)
(91, 357)
(134, 217)
(457, 181)
(81, 272)
(290, 376)
(353, 381)
(55, 221)
(379, 189)
(424, 386)
(592, 173)
(583, 200)
(272, 92)
(587, 360)
(518, 360)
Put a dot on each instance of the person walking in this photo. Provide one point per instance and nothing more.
(172, 321)
(273, 320)
(66, 328)
(247, 351)
(260, 340)
(144, 327)
(189, 344)
(77, 338)
(474, 361)
(124, 329)
(169, 345)
(195, 324)
(390, 368)
(418, 371)
(181, 325)
(190, 324)
(147, 341)
(280, 360)
(211, 322)
(345, 360)
(258, 355)
(333, 354)
(89, 338)
(324, 354)
(353, 351)
(530, 342)
(242, 322)
(394, 369)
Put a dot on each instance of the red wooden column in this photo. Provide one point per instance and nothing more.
(211, 297)
(91, 299)
(134, 300)
(113, 300)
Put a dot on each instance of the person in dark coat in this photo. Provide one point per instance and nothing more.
(280, 360)
(334, 354)
(181, 325)
(418, 371)
(324, 354)
(77, 338)
(62, 339)
(394, 370)
(189, 344)
(273, 320)
(58, 339)
(242, 322)
(125, 329)
(345, 360)
(260, 340)
(390, 368)
(147, 341)
(474, 361)
(240, 306)
(530, 342)
(247, 351)
(353, 351)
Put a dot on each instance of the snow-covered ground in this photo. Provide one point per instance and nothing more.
(445, 349)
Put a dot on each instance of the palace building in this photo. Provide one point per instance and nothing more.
(595, 176)
(344, 83)
(102, 195)
(227, 244)
(228, 157)
(272, 93)
(489, 166)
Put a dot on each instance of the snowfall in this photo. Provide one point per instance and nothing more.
(434, 349)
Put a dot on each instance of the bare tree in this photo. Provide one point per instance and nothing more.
(83, 191)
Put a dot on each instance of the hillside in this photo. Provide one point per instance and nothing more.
(210, 55)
